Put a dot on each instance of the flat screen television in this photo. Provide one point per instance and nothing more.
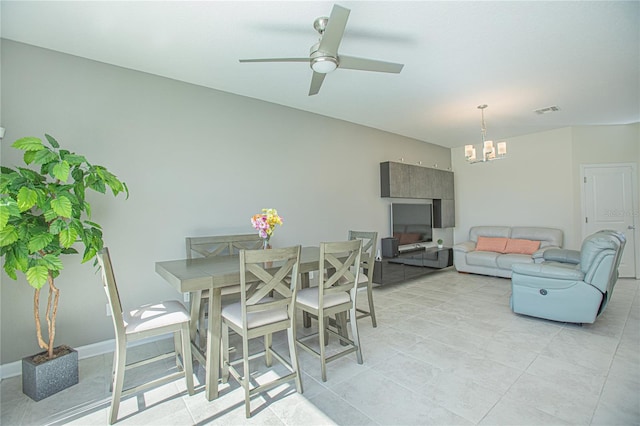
(412, 223)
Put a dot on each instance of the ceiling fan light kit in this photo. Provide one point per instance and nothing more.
(323, 57)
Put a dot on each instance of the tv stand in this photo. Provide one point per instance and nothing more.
(412, 264)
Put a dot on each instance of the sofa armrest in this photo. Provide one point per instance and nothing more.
(465, 247)
(562, 255)
(549, 270)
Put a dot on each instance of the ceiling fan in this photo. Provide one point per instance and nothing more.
(324, 58)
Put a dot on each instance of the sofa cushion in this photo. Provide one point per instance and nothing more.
(491, 244)
(518, 246)
(483, 258)
(489, 231)
(505, 261)
(548, 237)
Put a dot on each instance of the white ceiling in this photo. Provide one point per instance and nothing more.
(515, 56)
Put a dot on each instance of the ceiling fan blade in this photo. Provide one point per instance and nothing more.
(276, 60)
(335, 30)
(316, 82)
(363, 64)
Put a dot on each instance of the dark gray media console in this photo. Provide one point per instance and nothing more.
(412, 264)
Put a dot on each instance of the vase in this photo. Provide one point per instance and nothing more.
(265, 244)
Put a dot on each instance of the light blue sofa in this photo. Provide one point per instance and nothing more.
(569, 286)
(469, 260)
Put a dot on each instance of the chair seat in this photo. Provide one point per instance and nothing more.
(233, 314)
(309, 297)
(155, 316)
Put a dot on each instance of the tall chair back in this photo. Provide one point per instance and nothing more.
(166, 318)
(268, 281)
(335, 295)
(210, 246)
(367, 264)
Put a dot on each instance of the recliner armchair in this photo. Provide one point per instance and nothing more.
(569, 286)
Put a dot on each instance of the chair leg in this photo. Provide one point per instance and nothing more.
(245, 376)
(355, 335)
(202, 341)
(177, 344)
(325, 326)
(372, 310)
(119, 362)
(321, 335)
(267, 349)
(225, 354)
(187, 360)
(293, 354)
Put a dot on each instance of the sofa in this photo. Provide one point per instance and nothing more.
(569, 286)
(493, 250)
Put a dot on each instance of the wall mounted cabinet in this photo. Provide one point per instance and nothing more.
(400, 180)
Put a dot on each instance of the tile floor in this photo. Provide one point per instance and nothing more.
(447, 351)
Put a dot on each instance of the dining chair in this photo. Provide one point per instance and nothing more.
(209, 246)
(335, 295)
(368, 261)
(170, 317)
(263, 272)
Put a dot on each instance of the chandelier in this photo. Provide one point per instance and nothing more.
(488, 150)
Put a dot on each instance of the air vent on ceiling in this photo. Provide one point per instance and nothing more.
(547, 110)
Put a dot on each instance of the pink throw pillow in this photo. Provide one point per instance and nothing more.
(518, 246)
(491, 244)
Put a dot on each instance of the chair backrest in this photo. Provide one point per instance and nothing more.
(600, 256)
(221, 245)
(111, 289)
(263, 272)
(339, 268)
(369, 245)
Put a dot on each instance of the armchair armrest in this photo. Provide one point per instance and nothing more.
(562, 255)
(549, 270)
(465, 247)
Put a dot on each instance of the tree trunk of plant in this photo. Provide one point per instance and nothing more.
(52, 312)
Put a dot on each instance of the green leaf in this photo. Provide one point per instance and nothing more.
(54, 143)
(27, 198)
(39, 241)
(56, 226)
(8, 208)
(53, 262)
(61, 171)
(62, 206)
(8, 235)
(29, 144)
(68, 237)
(98, 185)
(89, 254)
(29, 156)
(74, 159)
(37, 276)
(44, 156)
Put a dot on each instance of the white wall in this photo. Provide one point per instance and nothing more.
(197, 162)
(539, 183)
(528, 188)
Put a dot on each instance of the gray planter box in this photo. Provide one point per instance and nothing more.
(40, 381)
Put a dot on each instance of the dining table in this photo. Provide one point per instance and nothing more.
(214, 274)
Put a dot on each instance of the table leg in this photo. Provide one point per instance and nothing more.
(195, 314)
(213, 343)
(304, 283)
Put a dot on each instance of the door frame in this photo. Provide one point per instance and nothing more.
(635, 214)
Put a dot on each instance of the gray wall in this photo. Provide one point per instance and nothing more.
(197, 161)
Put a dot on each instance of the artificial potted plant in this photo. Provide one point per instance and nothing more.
(43, 214)
(440, 243)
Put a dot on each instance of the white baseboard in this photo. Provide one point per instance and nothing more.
(15, 368)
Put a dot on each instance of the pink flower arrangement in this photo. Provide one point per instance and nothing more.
(265, 222)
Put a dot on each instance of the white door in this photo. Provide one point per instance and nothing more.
(608, 202)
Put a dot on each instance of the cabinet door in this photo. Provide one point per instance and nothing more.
(444, 214)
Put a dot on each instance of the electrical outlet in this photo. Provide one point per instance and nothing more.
(186, 297)
(108, 310)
